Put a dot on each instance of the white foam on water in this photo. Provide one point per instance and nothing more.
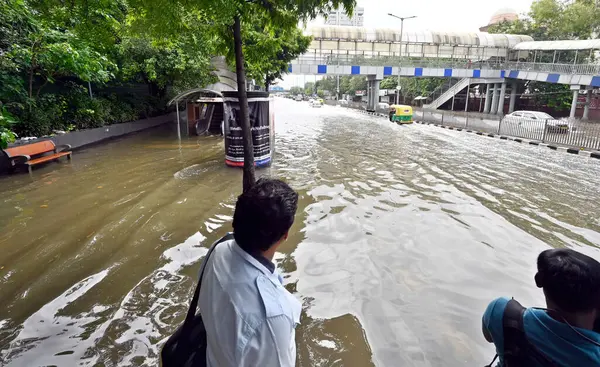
(327, 344)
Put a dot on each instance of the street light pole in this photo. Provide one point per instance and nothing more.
(400, 50)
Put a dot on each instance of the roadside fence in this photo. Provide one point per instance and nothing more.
(573, 133)
(569, 132)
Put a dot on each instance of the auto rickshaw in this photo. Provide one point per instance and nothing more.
(401, 114)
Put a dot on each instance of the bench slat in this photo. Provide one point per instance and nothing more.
(31, 149)
(47, 158)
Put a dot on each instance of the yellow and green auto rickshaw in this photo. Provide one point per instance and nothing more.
(401, 114)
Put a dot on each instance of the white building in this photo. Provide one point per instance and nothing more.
(339, 17)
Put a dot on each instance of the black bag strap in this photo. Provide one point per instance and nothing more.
(518, 351)
(194, 303)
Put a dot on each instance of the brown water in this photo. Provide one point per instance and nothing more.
(403, 235)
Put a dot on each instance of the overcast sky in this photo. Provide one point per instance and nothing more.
(433, 15)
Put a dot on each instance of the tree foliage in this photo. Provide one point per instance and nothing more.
(6, 134)
(113, 44)
(268, 50)
(71, 44)
(555, 20)
(348, 84)
(296, 90)
(309, 88)
(411, 87)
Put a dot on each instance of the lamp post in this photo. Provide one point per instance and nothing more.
(400, 50)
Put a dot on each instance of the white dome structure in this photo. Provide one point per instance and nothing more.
(503, 14)
(499, 16)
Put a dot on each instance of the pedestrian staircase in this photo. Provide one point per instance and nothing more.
(443, 93)
(447, 90)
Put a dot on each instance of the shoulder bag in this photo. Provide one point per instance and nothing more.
(187, 346)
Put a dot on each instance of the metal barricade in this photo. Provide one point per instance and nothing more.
(574, 133)
(484, 123)
(522, 128)
(571, 133)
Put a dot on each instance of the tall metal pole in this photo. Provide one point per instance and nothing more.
(468, 95)
(453, 95)
(480, 97)
(400, 60)
(178, 124)
(338, 71)
(400, 51)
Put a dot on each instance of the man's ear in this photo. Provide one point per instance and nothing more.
(285, 236)
(539, 280)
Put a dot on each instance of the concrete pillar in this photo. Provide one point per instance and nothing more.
(369, 96)
(500, 110)
(376, 92)
(468, 95)
(372, 92)
(513, 96)
(586, 108)
(574, 102)
(495, 95)
(488, 96)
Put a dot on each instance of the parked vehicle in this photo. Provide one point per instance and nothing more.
(343, 102)
(318, 103)
(401, 114)
(538, 120)
(298, 98)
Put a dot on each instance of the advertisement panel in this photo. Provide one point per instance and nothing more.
(261, 121)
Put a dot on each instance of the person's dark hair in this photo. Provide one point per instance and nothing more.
(264, 214)
(569, 279)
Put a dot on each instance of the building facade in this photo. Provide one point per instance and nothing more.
(339, 17)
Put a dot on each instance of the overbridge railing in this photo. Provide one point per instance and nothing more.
(577, 69)
(497, 64)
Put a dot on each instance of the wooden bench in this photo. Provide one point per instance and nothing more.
(22, 154)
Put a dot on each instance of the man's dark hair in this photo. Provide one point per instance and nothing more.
(264, 214)
(569, 279)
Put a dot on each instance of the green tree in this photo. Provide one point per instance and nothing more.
(268, 50)
(357, 83)
(74, 42)
(413, 87)
(309, 88)
(555, 20)
(328, 83)
(296, 90)
(166, 64)
(389, 83)
(50, 54)
(6, 123)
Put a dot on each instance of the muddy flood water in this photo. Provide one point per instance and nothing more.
(402, 237)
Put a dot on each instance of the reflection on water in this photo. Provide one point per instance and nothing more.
(403, 235)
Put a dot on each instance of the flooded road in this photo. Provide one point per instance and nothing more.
(402, 237)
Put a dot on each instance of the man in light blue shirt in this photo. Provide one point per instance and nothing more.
(563, 334)
(250, 318)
